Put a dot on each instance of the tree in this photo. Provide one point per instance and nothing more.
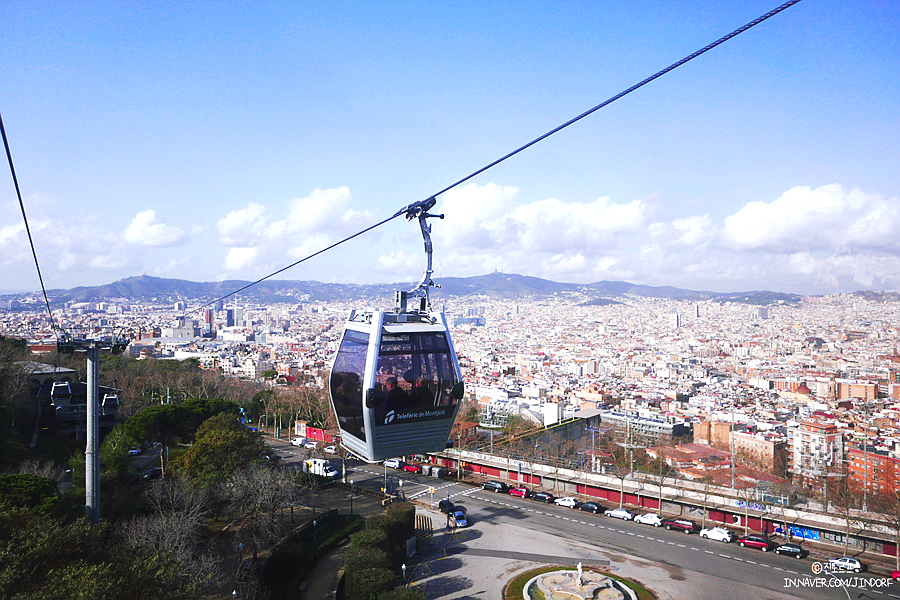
(200, 409)
(887, 504)
(43, 558)
(27, 491)
(222, 447)
(846, 502)
(658, 470)
(163, 423)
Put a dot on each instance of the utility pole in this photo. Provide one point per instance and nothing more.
(92, 446)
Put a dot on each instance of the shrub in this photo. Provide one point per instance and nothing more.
(368, 584)
(365, 557)
(372, 538)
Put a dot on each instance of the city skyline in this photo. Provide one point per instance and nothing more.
(227, 143)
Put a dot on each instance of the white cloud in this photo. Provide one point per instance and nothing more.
(145, 231)
(828, 217)
(243, 227)
(239, 258)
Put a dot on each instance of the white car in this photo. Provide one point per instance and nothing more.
(717, 533)
(568, 502)
(311, 445)
(330, 449)
(394, 463)
(846, 563)
(298, 441)
(619, 513)
(649, 519)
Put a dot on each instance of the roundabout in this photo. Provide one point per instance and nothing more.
(576, 584)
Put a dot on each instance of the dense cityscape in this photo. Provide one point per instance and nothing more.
(809, 388)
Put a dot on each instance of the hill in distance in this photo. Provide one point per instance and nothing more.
(504, 286)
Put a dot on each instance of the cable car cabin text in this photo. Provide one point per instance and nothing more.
(395, 384)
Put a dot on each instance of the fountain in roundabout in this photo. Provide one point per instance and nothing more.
(567, 584)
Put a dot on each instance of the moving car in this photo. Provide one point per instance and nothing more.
(394, 463)
(649, 519)
(298, 441)
(312, 445)
(521, 492)
(846, 563)
(543, 497)
(720, 534)
(495, 486)
(568, 502)
(446, 507)
(330, 449)
(795, 550)
(619, 513)
(594, 507)
(685, 525)
(755, 541)
(459, 519)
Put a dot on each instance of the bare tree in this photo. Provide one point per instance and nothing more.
(887, 504)
(262, 492)
(846, 502)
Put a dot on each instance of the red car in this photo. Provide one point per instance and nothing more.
(521, 492)
(755, 541)
(412, 468)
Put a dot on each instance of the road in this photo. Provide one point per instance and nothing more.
(512, 532)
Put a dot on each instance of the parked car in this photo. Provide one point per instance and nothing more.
(755, 541)
(312, 445)
(619, 513)
(846, 563)
(153, 473)
(895, 575)
(685, 525)
(495, 486)
(330, 449)
(720, 534)
(594, 507)
(543, 497)
(521, 492)
(394, 463)
(459, 519)
(568, 502)
(649, 519)
(446, 507)
(795, 550)
(412, 468)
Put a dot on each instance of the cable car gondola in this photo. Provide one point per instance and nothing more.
(395, 382)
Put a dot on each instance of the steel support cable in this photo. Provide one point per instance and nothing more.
(12, 170)
(411, 207)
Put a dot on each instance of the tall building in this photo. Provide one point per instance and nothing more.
(816, 450)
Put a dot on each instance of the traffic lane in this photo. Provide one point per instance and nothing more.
(681, 551)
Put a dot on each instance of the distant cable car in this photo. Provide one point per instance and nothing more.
(395, 382)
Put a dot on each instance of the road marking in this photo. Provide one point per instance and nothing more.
(778, 568)
(709, 551)
(681, 545)
(629, 533)
(752, 562)
(736, 558)
(724, 556)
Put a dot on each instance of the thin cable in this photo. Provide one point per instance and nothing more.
(346, 239)
(656, 75)
(12, 170)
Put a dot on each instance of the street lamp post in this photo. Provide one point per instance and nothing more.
(351, 497)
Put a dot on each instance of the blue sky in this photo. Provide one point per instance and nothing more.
(210, 141)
